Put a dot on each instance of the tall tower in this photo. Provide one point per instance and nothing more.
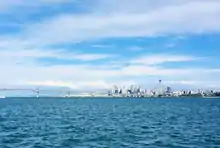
(159, 89)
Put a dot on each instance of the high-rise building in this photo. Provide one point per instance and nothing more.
(168, 90)
(115, 89)
(139, 90)
(132, 89)
(124, 91)
(135, 90)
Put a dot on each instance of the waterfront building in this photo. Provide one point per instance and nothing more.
(116, 90)
(138, 89)
(132, 89)
(168, 90)
(177, 93)
(124, 91)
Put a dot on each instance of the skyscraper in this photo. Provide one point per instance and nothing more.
(132, 89)
(116, 91)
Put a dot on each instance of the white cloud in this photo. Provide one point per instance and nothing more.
(9, 4)
(129, 6)
(88, 78)
(101, 46)
(91, 57)
(49, 53)
(19, 54)
(193, 84)
(136, 48)
(156, 18)
(84, 85)
(56, 1)
(189, 17)
(81, 76)
(53, 83)
(162, 58)
(171, 45)
(21, 67)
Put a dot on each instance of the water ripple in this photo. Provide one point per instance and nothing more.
(181, 123)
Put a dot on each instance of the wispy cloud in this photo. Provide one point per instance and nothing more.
(176, 19)
(171, 45)
(10, 4)
(101, 46)
(82, 76)
(136, 48)
(163, 58)
(22, 50)
(56, 54)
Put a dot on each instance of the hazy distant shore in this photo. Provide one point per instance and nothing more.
(107, 97)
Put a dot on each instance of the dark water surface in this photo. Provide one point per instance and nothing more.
(40, 123)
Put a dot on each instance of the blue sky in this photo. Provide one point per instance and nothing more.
(84, 44)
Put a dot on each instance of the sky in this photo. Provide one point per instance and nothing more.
(95, 44)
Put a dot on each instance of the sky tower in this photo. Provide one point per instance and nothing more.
(159, 89)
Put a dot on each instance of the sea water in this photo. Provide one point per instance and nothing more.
(126, 123)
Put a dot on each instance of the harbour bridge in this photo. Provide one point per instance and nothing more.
(37, 92)
(51, 92)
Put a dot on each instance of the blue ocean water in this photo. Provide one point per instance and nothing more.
(56, 122)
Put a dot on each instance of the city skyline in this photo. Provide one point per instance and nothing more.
(115, 91)
(98, 44)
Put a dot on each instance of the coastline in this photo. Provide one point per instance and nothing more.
(111, 97)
